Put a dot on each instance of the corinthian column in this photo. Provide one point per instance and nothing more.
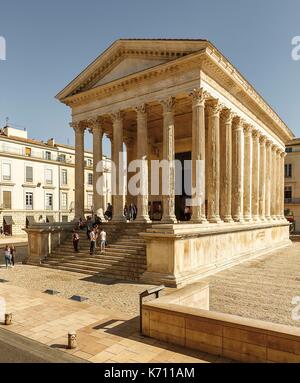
(268, 179)
(279, 184)
(142, 155)
(255, 176)
(237, 170)
(282, 157)
(98, 195)
(169, 155)
(262, 179)
(198, 154)
(274, 186)
(118, 168)
(248, 173)
(226, 165)
(213, 162)
(79, 168)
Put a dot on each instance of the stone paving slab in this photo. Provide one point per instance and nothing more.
(103, 335)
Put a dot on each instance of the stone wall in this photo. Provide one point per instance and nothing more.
(233, 337)
(183, 253)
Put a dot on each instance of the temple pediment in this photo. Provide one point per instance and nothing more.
(126, 57)
(129, 66)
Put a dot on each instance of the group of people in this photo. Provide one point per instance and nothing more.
(130, 212)
(9, 255)
(93, 233)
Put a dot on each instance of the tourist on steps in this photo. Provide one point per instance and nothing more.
(102, 240)
(75, 239)
(13, 254)
(93, 238)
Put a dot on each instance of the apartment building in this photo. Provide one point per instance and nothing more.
(37, 181)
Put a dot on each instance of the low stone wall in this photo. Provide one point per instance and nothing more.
(183, 253)
(45, 238)
(230, 336)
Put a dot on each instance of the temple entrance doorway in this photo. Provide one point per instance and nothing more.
(183, 176)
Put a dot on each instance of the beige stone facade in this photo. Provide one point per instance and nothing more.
(165, 98)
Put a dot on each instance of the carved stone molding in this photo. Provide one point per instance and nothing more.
(228, 115)
(214, 107)
(168, 104)
(199, 96)
(117, 116)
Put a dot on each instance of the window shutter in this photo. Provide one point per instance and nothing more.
(7, 199)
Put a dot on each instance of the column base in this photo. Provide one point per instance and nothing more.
(143, 219)
(120, 218)
(228, 219)
(169, 219)
(215, 219)
(238, 219)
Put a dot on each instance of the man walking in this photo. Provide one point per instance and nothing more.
(93, 239)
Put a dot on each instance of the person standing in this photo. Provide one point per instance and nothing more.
(13, 254)
(7, 256)
(93, 238)
(75, 240)
(102, 240)
(89, 227)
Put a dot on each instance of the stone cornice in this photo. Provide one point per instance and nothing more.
(210, 61)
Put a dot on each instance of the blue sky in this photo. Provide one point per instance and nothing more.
(49, 43)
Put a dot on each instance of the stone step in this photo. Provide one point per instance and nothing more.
(113, 270)
(99, 259)
(108, 252)
(113, 249)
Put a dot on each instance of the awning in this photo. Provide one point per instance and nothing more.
(8, 220)
(50, 218)
(30, 219)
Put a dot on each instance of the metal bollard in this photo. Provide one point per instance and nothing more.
(72, 340)
(8, 319)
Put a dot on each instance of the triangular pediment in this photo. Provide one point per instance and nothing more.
(128, 66)
(126, 57)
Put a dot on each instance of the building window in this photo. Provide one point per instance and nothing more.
(89, 200)
(89, 162)
(49, 201)
(64, 201)
(90, 179)
(29, 174)
(288, 170)
(6, 171)
(29, 201)
(28, 152)
(64, 218)
(61, 158)
(48, 155)
(288, 150)
(6, 199)
(288, 194)
(64, 177)
(48, 176)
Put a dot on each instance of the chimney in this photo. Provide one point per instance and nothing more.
(51, 142)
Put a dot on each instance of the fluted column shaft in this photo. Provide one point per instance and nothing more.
(274, 187)
(279, 184)
(226, 165)
(269, 170)
(169, 155)
(142, 156)
(255, 176)
(213, 162)
(282, 156)
(98, 198)
(79, 169)
(237, 170)
(198, 155)
(262, 179)
(248, 173)
(118, 168)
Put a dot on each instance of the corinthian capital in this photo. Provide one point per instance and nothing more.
(168, 104)
(78, 126)
(117, 116)
(228, 116)
(215, 107)
(141, 109)
(198, 97)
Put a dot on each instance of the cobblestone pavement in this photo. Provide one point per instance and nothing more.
(260, 289)
(103, 335)
(118, 296)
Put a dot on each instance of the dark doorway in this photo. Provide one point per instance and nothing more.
(7, 225)
(183, 176)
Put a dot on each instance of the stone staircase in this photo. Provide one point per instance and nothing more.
(124, 258)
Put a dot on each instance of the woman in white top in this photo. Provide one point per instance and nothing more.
(102, 240)
(7, 255)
